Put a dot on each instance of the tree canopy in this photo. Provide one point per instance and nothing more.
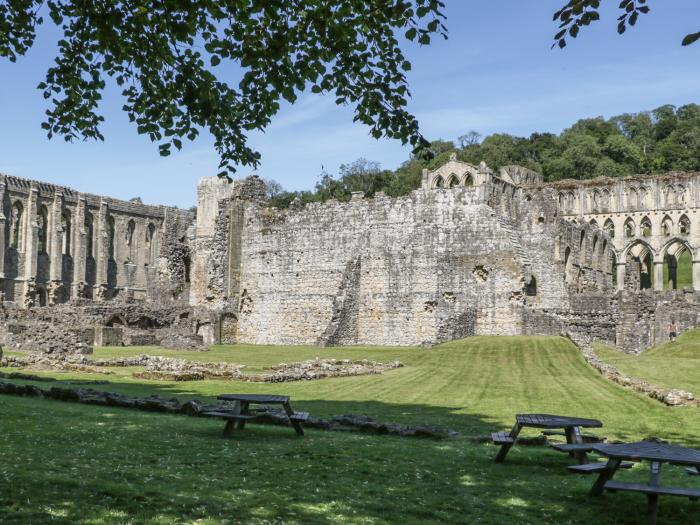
(172, 60)
(657, 141)
(577, 14)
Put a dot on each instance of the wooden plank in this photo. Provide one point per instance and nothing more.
(605, 476)
(648, 489)
(295, 423)
(230, 416)
(501, 438)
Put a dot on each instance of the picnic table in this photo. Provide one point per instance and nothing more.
(570, 425)
(241, 411)
(656, 454)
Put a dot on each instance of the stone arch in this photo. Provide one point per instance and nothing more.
(452, 181)
(571, 202)
(594, 255)
(644, 197)
(150, 242)
(562, 202)
(632, 199)
(667, 226)
(593, 222)
(595, 201)
(684, 225)
(669, 195)
(116, 320)
(42, 218)
(468, 179)
(609, 227)
(645, 227)
(66, 230)
(438, 182)
(677, 256)
(582, 239)
(129, 238)
(681, 195)
(568, 265)
(630, 228)
(638, 257)
(605, 203)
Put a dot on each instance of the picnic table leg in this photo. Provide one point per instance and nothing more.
(573, 437)
(653, 499)
(243, 410)
(296, 424)
(231, 424)
(606, 475)
(503, 452)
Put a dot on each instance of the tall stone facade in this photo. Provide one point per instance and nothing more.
(471, 252)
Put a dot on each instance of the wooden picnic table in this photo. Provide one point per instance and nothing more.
(241, 411)
(571, 426)
(656, 454)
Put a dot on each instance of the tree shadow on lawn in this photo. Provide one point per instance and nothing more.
(72, 463)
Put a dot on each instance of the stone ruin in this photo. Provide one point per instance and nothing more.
(471, 252)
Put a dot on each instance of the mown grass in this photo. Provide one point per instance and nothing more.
(68, 463)
(671, 365)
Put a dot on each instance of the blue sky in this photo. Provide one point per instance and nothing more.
(495, 73)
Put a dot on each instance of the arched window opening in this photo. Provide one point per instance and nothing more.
(130, 228)
(629, 228)
(613, 268)
(452, 181)
(667, 226)
(439, 183)
(43, 222)
(593, 222)
(581, 240)
(684, 225)
(89, 235)
(632, 199)
(150, 241)
(567, 265)
(531, 287)
(594, 255)
(65, 232)
(16, 225)
(645, 225)
(609, 228)
(678, 269)
(110, 237)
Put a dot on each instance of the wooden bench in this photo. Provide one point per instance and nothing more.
(591, 468)
(231, 419)
(612, 486)
(502, 438)
(299, 416)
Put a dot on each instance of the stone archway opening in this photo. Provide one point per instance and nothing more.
(678, 267)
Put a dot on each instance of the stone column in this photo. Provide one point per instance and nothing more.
(696, 275)
(620, 269)
(3, 225)
(55, 238)
(101, 251)
(30, 234)
(79, 247)
(659, 275)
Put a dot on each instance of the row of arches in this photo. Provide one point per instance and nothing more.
(630, 229)
(633, 198)
(452, 180)
(669, 268)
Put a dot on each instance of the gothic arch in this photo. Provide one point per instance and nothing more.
(684, 225)
(609, 228)
(16, 216)
(667, 226)
(636, 248)
(468, 179)
(645, 227)
(452, 181)
(630, 228)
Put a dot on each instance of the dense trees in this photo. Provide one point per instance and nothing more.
(172, 61)
(664, 139)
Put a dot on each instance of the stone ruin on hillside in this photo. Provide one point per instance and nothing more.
(471, 252)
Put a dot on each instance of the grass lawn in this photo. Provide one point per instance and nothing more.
(68, 463)
(672, 365)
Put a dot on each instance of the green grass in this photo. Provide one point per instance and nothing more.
(68, 463)
(671, 365)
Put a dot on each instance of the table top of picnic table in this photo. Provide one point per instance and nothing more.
(651, 451)
(552, 421)
(262, 399)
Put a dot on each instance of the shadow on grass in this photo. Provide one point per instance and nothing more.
(71, 463)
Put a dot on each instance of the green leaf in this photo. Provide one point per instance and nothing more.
(691, 38)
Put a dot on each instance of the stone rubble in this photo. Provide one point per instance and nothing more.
(322, 368)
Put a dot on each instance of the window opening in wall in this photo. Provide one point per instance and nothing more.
(468, 180)
(609, 228)
(531, 287)
(629, 228)
(16, 225)
(110, 237)
(439, 183)
(684, 225)
(667, 226)
(42, 220)
(613, 268)
(452, 181)
(646, 227)
(65, 233)
(89, 235)
(567, 265)
(678, 269)
(130, 228)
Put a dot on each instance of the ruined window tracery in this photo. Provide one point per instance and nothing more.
(645, 226)
(43, 223)
(684, 225)
(150, 234)
(89, 235)
(609, 228)
(110, 237)
(629, 228)
(632, 199)
(468, 179)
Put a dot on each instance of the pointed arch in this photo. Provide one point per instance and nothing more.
(630, 228)
(66, 232)
(42, 218)
(468, 179)
(452, 181)
(684, 225)
(632, 199)
(645, 226)
(593, 222)
(16, 216)
(667, 226)
(567, 265)
(609, 227)
(677, 257)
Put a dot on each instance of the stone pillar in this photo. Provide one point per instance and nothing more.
(55, 238)
(659, 275)
(30, 234)
(79, 247)
(101, 251)
(696, 275)
(620, 269)
(3, 225)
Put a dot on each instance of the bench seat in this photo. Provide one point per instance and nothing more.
(612, 486)
(693, 471)
(502, 438)
(574, 447)
(230, 415)
(299, 416)
(597, 467)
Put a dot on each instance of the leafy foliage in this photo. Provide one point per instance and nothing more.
(576, 14)
(664, 139)
(170, 57)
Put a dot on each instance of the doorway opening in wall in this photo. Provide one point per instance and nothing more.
(678, 268)
(41, 295)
